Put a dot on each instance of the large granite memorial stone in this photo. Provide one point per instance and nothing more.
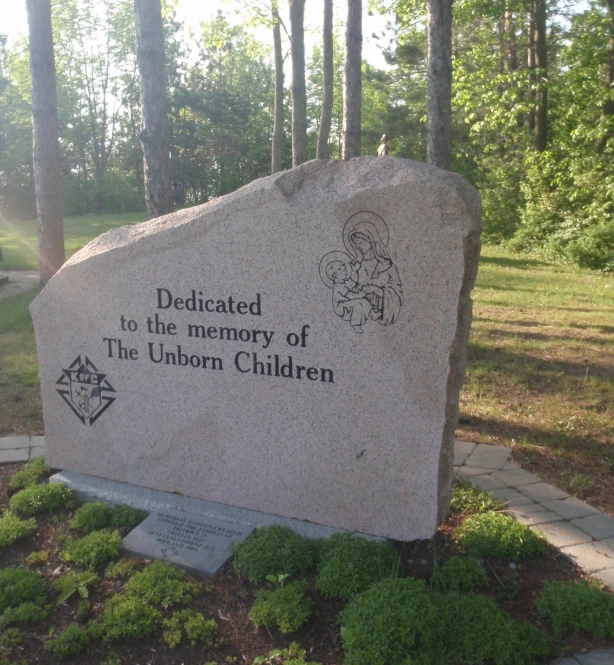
(296, 347)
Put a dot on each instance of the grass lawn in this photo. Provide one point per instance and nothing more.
(541, 360)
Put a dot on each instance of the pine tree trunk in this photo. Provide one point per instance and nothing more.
(327, 82)
(608, 106)
(299, 94)
(531, 67)
(541, 67)
(438, 128)
(278, 118)
(352, 81)
(47, 171)
(152, 82)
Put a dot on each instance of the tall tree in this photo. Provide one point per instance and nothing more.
(47, 172)
(541, 68)
(299, 93)
(439, 128)
(154, 134)
(278, 111)
(352, 81)
(608, 104)
(327, 81)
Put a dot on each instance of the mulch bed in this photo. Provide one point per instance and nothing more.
(229, 598)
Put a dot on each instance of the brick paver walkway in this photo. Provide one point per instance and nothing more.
(580, 531)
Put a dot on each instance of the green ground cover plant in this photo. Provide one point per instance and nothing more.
(468, 500)
(578, 607)
(28, 612)
(12, 528)
(161, 584)
(293, 655)
(127, 517)
(74, 583)
(459, 574)
(70, 642)
(125, 616)
(92, 517)
(35, 471)
(39, 558)
(350, 564)
(37, 499)
(498, 535)
(273, 550)
(286, 608)
(193, 625)
(20, 585)
(120, 570)
(10, 638)
(93, 551)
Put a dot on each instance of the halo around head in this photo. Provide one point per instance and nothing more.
(326, 259)
(364, 216)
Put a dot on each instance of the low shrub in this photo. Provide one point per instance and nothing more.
(39, 558)
(350, 564)
(126, 516)
(12, 528)
(74, 583)
(11, 637)
(28, 612)
(501, 536)
(578, 607)
(92, 517)
(42, 499)
(125, 616)
(273, 550)
(18, 586)
(69, 642)
(402, 621)
(459, 574)
(467, 499)
(162, 584)
(195, 626)
(32, 474)
(293, 655)
(94, 550)
(120, 570)
(287, 607)
(382, 625)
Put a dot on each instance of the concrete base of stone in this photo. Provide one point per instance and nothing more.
(92, 488)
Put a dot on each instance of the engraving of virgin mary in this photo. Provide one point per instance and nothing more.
(365, 236)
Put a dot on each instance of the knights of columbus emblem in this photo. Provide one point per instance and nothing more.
(86, 391)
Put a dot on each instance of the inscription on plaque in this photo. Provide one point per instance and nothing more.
(198, 544)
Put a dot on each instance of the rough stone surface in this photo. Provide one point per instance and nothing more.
(14, 455)
(200, 545)
(591, 556)
(37, 452)
(465, 447)
(598, 526)
(93, 488)
(606, 577)
(571, 508)
(364, 439)
(534, 514)
(470, 471)
(597, 657)
(489, 457)
(487, 482)
(563, 534)
(13, 442)
(542, 492)
(512, 498)
(516, 477)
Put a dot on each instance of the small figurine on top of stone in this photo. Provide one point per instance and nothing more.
(382, 151)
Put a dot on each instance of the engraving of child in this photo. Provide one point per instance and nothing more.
(349, 298)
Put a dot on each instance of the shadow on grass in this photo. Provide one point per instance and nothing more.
(510, 432)
(543, 337)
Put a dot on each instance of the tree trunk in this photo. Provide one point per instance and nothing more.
(352, 81)
(608, 107)
(278, 121)
(47, 171)
(299, 94)
(531, 67)
(152, 82)
(541, 66)
(327, 82)
(438, 128)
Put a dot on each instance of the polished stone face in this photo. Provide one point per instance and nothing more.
(296, 347)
